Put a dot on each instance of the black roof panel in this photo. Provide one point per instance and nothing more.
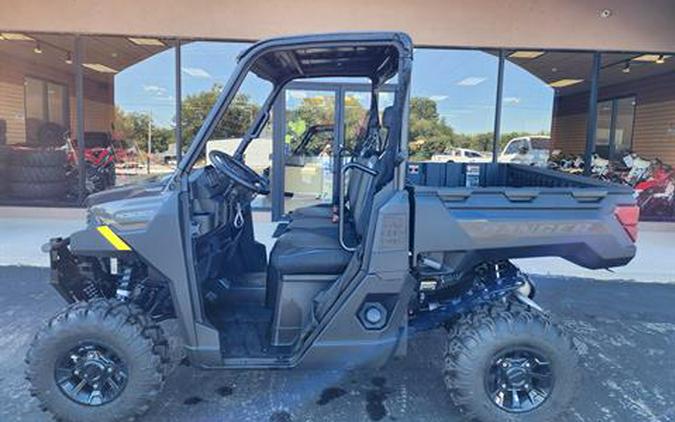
(370, 54)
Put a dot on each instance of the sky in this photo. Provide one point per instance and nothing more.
(461, 82)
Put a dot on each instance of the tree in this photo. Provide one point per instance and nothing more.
(423, 108)
(429, 133)
(320, 110)
(315, 110)
(133, 127)
(234, 123)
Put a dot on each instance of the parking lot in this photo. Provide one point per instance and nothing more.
(625, 333)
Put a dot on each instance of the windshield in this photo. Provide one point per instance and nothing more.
(514, 146)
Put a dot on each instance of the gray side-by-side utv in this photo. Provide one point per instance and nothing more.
(405, 248)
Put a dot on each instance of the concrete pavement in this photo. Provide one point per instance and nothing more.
(625, 333)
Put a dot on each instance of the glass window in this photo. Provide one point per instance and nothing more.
(46, 101)
(357, 104)
(56, 103)
(514, 146)
(623, 124)
(544, 97)
(205, 69)
(139, 95)
(306, 112)
(615, 127)
(452, 101)
(604, 123)
(35, 106)
(540, 143)
(356, 112)
(236, 121)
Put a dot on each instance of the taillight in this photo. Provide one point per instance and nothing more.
(629, 216)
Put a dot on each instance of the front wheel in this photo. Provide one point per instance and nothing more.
(102, 360)
(509, 362)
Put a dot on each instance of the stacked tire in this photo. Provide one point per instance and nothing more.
(4, 171)
(4, 158)
(37, 173)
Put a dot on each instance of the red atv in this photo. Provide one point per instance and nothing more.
(100, 158)
(655, 195)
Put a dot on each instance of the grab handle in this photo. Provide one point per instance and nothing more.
(341, 211)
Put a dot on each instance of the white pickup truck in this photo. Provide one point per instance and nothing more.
(529, 150)
(461, 155)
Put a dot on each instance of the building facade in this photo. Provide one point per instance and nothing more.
(66, 72)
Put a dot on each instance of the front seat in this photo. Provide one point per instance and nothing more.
(318, 251)
(304, 263)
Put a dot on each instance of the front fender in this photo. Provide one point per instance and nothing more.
(99, 241)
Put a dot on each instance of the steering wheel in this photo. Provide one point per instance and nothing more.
(239, 172)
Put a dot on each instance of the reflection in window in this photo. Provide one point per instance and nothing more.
(615, 127)
(144, 104)
(56, 103)
(206, 68)
(46, 101)
(527, 106)
(357, 104)
(453, 102)
(35, 105)
(237, 119)
(306, 113)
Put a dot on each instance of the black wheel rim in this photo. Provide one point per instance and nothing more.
(519, 380)
(91, 374)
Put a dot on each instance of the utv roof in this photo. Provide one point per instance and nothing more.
(356, 54)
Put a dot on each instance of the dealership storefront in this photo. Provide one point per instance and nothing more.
(592, 91)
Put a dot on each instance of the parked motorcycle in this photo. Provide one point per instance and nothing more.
(655, 195)
(99, 162)
(653, 180)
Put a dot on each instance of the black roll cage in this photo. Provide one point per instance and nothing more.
(401, 42)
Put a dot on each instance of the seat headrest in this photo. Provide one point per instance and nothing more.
(388, 117)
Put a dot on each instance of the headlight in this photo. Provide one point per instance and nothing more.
(91, 219)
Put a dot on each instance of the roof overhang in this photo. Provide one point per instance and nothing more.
(616, 25)
(103, 56)
(570, 72)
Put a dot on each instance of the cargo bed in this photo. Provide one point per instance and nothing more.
(470, 213)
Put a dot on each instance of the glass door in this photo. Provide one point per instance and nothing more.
(615, 127)
(309, 146)
(313, 121)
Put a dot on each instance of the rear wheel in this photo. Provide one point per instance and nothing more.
(509, 362)
(101, 360)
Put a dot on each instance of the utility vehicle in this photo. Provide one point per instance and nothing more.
(346, 285)
(532, 150)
